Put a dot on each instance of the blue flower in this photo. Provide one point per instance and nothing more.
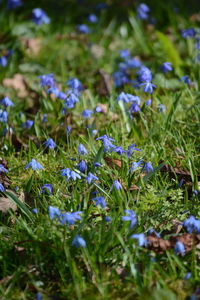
(70, 218)
(47, 188)
(119, 150)
(39, 16)
(192, 224)
(133, 63)
(91, 177)
(135, 165)
(190, 32)
(68, 173)
(87, 113)
(186, 79)
(107, 218)
(134, 108)
(6, 102)
(125, 53)
(38, 296)
(143, 11)
(3, 116)
(3, 169)
(34, 210)
(2, 188)
(120, 78)
(78, 241)
(131, 216)
(92, 18)
(166, 67)
(12, 4)
(83, 29)
(35, 165)
(68, 130)
(106, 142)
(148, 167)
(161, 108)
(54, 212)
(117, 185)
(142, 241)
(97, 164)
(28, 124)
(82, 150)
(131, 149)
(148, 102)
(99, 201)
(82, 166)
(3, 61)
(50, 143)
(179, 248)
(44, 118)
(126, 98)
(71, 100)
(47, 80)
(188, 276)
(144, 74)
(148, 87)
(75, 84)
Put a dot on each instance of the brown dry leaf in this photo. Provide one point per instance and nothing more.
(17, 83)
(111, 162)
(104, 107)
(157, 244)
(104, 84)
(6, 204)
(33, 46)
(113, 116)
(177, 226)
(134, 187)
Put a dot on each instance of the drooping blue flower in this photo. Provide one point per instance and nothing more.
(92, 18)
(34, 210)
(185, 79)
(82, 166)
(125, 53)
(143, 11)
(87, 113)
(144, 74)
(82, 150)
(161, 107)
(148, 102)
(47, 80)
(28, 124)
(166, 67)
(44, 118)
(119, 150)
(3, 61)
(68, 130)
(71, 100)
(142, 241)
(108, 145)
(50, 143)
(91, 177)
(188, 276)
(47, 188)
(98, 109)
(34, 165)
(133, 63)
(192, 224)
(38, 296)
(69, 174)
(116, 185)
(148, 87)
(120, 78)
(2, 188)
(74, 175)
(78, 241)
(148, 167)
(97, 164)
(107, 218)
(12, 4)
(94, 132)
(190, 32)
(6, 102)
(131, 217)
(83, 28)
(39, 16)
(3, 116)
(75, 84)
(134, 108)
(54, 212)
(126, 98)
(70, 218)
(3, 169)
(152, 231)
(179, 248)
(131, 149)
(99, 201)
(135, 165)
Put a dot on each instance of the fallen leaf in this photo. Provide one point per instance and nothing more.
(104, 107)
(104, 84)
(18, 84)
(33, 46)
(111, 162)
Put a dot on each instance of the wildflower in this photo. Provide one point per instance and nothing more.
(87, 113)
(3, 61)
(47, 188)
(143, 11)
(148, 167)
(107, 218)
(117, 185)
(190, 32)
(131, 216)
(70, 218)
(68, 173)
(75, 84)
(38, 296)
(40, 17)
(83, 29)
(6, 102)
(119, 150)
(161, 108)
(106, 142)
(134, 108)
(97, 164)
(98, 109)
(3, 116)
(50, 143)
(148, 102)
(188, 276)
(133, 63)
(144, 74)
(54, 212)
(186, 79)
(125, 53)
(35, 165)
(120, 78)
(148, 87)
(34, 210)
(82, 150)
(71, 100)
(28, 124)
(135, 165)
(78, 241)
(142, 241)
(2, 188)
(179, 248)
(68, 130)
(100, 201)
(166, 67)
(82, 166)
(47, 80)
(3, 169)
(131, 149)
(94, 132)
(44, 118)
(92, 18)
(74, 175)
(91, 177)
(152, 231)
(12, 4)
(192, 224)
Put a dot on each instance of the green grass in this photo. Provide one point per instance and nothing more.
(36, 254)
